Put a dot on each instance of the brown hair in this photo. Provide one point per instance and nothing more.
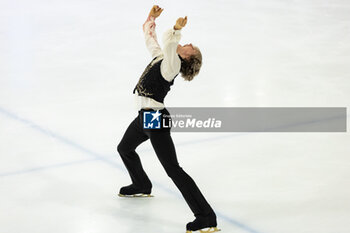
(190, 66)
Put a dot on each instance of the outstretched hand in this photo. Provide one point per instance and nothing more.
(155, 11)
(180, 23)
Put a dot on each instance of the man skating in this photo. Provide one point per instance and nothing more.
(150, 91)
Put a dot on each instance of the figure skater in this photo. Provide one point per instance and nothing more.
(150, 92)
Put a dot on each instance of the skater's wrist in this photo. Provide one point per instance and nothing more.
(151, 18)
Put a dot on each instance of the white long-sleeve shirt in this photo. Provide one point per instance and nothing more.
(171, 63)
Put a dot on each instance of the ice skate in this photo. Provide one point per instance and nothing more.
(203, 224)
(206, 230)
(133, 191)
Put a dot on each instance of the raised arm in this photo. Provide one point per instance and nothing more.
(150, 33)
(171, 63)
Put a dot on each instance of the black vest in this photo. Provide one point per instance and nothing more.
(152, 84)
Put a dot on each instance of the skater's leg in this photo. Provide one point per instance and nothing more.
(165, 150)
(133, 137)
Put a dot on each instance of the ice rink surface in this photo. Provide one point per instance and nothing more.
(67, 71)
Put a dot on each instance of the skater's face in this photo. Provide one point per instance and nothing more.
(186, 51)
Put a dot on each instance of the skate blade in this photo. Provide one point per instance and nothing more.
(136, 195)
(209, 230)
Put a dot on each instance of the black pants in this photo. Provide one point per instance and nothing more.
(164, 147)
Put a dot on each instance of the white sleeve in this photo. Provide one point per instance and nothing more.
(171, 63)
(151, 37)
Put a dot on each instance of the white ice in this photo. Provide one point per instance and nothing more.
(67, 70)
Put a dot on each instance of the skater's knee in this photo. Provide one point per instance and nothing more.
(122, 148)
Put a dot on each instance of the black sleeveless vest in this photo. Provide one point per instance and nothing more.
(152, 84)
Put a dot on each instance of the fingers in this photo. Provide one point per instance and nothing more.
(157, 10)
(182, 21)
